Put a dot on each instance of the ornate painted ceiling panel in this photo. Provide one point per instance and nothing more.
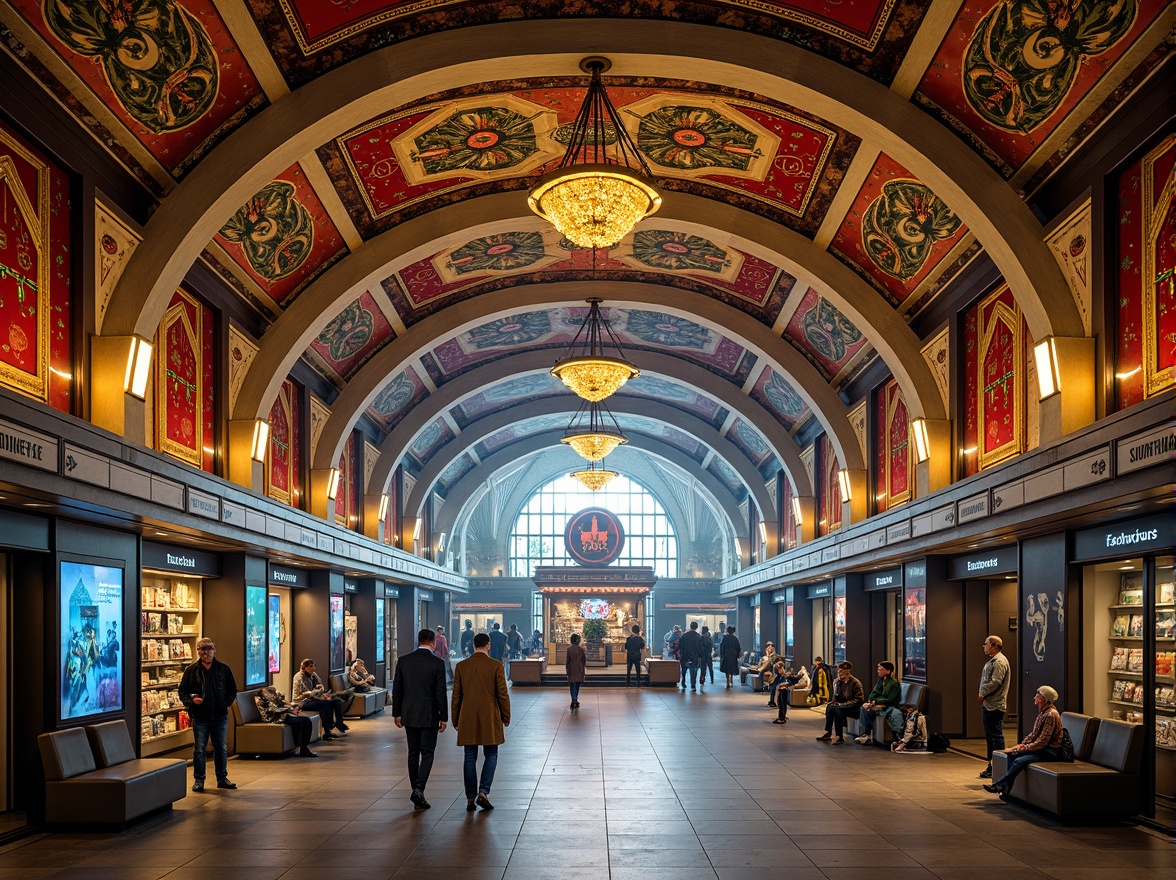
(824, 335)
(897, 231)
(750, 442)
(772, 160)
(456, 471)
(676, 395)
(726, 475)
(504, 395)
(506, 259)
(428, 441)
(309, 36)
(633, 424)
(1008, 73)
(167, 69)
(777, 395)
(638, 330)
(395, 399)
(352, 337)
(282, 238)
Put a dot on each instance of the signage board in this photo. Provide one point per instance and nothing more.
(977, 566)
(1130, 538)
(161, 557)
(884, 579)
(281, 576)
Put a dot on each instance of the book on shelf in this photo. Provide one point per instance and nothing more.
(1129, 582)
(1166, 732)
(1119, 625)
(1135, 660)
(1164, 662)
(1135, 626)
(1118, 689)
(1119, 658)
(1166, 593)
(1131, 597)
(1165, 624)
(1165, 696)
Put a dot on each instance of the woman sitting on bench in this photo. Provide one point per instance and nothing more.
(272, 706)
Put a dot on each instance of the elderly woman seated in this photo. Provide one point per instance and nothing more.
(272, 706)
(359, 678)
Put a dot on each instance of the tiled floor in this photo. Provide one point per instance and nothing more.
(639, 784)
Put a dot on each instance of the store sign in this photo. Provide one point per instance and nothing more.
(980, 565)
(161, 557)
(819, 591)
(779, 596)
(350, 586)
(28, 447)
(973, 508)
(425, 595)
(1154, 533)
(594, 537)
(886, 579)
(1143, 450)
(288, 577)
(391, 592)
(203, 504)
(915, 573)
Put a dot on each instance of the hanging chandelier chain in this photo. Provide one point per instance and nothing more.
(596, 114)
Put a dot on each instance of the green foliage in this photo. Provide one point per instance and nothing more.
(594, 630)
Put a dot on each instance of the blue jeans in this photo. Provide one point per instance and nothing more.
(1022, 761)
(574, 687)
(219, 729)
(893, 719)
(693, 667)
(472, 788)
(993, 730)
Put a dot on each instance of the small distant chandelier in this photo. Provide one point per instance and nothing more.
(585, 369)
(603, 186)
(593, 432)
(594, 478)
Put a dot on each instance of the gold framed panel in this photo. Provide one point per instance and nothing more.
(178, 314)
(282, 405)
(893, 399)
(1009, 317)
(1156, 213)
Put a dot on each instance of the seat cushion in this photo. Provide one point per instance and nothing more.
(111, 743)
(1118, 746)
(65, 753)
(1083, 730)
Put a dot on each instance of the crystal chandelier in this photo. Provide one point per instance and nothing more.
(593, 432)
(602, 187)
(585, 369)
(594, 478)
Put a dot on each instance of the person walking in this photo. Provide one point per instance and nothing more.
(419, 706)
(690, 650)
(706, 660)
(729, 651)
(993, 698)
(441, 649)
(481, 714)
(467, 639)
(634, 646)
(207, 689)
(576, 665)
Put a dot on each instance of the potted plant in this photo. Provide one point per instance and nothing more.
(594, 631)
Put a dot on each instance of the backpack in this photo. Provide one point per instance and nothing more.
(937, 742)
(1067, 747)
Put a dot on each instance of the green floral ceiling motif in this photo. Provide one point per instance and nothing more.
(1022, 59)
(829, 331)
(156, 55)
(394, 396)
(784, 397)
(348, 332)
(668, 330)
(689, 138)
(676, 251)
(274, 230)
(901, 226)
(504, 252)
(515, 330)
(482, 139)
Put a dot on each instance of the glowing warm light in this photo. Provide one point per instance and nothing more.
(796, 511)
(383, 508)
(594, 446)
(261, 430)
(843, 480)
(333, 484)
(594, 479)
(138, 367)
(1045, 355)
(594, 378)
(922, 446)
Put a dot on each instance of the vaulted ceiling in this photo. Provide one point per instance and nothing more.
(356, 174)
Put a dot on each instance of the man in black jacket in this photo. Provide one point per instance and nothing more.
(207, 689)
(419, 705)
(690, 652)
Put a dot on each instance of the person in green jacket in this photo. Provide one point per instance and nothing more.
(883, 700)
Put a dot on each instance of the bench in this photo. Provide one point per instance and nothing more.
(910, 694)
(364, 703)
(254, 736)
(748, 660)
(1103, 779)
(93, 777)
(663, 671)
(529, 671)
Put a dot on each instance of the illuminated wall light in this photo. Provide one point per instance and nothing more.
(261, 430)
(441, 543)
(416, 530)
(763, 530)
(138, 368)
(843, 479)
(970, 450)
(796, 511)
(66, 376)
(1045, 355)
(333, 484)
(922, 446)
(383, 508)
(1128, 374)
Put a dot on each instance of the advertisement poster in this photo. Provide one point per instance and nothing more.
(91, 637)
(915, 633)
(839, 628)
(380, 630)
(255, 641)
(336, 633)
(275, 633)
(351, 628)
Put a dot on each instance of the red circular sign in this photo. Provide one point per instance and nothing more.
(594, 536)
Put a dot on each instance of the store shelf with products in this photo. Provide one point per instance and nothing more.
(170, 618)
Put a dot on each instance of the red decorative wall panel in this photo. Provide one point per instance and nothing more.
(185, 372)
(283, 465)
(893, 451)
(828, 488)
(345, 501)
(996, 349)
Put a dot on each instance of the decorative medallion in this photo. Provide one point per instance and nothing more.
(514, 330)
(504, 252)
(703, 137)
(670, 331)
(594, 537)
(902, 225)
(274, 230)
(829, 331)
(347, 332)
(394, 398)
(665, 251)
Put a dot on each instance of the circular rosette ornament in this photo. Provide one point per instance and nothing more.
(690, 138)
(274, 229)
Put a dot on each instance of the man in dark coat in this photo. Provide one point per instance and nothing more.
(634, 646)
(207, 689)
(729, 651)
(690, 653)
(419, 705)
(467, 639)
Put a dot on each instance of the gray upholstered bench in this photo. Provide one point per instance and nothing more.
(92, 777)
(254, 736)
(1103, 779)
(910, 694)
(364, 703)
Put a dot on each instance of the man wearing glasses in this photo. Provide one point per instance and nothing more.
(207, 689)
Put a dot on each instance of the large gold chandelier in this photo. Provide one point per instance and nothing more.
(602, 187)
(593, 432)
(594, 478)
(586, 370)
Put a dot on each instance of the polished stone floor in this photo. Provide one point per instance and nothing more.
(645, 784)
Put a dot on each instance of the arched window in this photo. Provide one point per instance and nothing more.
(538, 534)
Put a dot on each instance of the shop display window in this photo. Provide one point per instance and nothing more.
(169, 626)
(275, 633)
(256, 647)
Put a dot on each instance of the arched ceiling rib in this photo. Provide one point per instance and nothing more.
(295, 125)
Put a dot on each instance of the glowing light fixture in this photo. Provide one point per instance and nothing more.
(138, 368)
(843, 480)
(1045, 354)
(383, 508)
(333, 484)
(796, 511)
(593, 432)
(594, 478)
(922, 446)
(585, 369)
(261, 432)
(602, 187)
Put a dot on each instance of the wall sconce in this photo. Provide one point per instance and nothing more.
(922, 446)
(1045, 354)
(843, 479)
(333, 484)
(441, 543)
(763, 532)
(797, 511)
(138, 368)
(416, 530)
(383, 508)
(261, 429)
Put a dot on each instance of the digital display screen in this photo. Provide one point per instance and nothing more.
(90, 652)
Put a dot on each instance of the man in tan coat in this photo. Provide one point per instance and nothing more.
(481, 712)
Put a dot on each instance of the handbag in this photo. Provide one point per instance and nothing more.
(812, 699)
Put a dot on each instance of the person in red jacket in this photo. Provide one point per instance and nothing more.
(1044, 742)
